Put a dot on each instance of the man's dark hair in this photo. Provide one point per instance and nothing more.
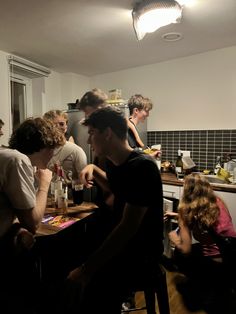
(109, 117)
(34, 134)
(94, 98)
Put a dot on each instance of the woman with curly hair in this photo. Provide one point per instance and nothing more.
(201, 210)
(202, 213)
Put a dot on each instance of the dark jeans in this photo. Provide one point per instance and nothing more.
(107, 290)
(17, 276)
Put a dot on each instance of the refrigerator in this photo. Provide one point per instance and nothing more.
(78, 131)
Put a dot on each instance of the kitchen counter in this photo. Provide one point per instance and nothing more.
(170, 179)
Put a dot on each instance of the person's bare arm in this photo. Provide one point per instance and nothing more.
(183, 240)
(30, 219)
(92, 172)
(136, 135)
(114, 243)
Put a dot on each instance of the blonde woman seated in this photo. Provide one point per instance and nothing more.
(201, 210)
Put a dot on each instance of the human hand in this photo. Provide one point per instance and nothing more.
(24, 240)
(174, 237)
(44, 176)
(86, 176)
(156, 153)
(170, 215)
(75, 286)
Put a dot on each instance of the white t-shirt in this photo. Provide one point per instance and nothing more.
(71, 157)
(17, 189)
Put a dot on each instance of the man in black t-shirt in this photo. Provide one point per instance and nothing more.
(137, 218)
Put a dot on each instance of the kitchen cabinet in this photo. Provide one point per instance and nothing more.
(172, 191)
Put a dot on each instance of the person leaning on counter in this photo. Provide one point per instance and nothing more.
(137, 230)
(21, 205)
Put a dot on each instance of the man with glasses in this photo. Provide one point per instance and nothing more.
(71, 157)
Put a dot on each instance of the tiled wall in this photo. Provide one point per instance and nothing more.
(204, 145)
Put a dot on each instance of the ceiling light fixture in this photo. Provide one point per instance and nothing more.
(149, 15)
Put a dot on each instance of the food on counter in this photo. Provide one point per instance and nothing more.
(60, 220)
(206, 171)
(149, 150)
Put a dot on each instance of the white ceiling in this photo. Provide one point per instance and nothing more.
(92, 37)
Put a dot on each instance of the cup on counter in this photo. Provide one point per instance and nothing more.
(157, 147)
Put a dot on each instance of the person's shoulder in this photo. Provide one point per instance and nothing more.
(72, 146)
(13, 155)
(138, 155)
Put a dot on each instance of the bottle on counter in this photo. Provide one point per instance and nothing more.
(61, 192)
(218, 164)
(179, 167)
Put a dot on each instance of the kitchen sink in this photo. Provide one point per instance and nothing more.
(214, 179)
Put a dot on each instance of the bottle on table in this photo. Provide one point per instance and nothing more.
(52, 184)
(61, 192)
(76, 189)
(77, 192)
(179, 167)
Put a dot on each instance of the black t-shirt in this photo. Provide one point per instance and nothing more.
(137, 181)
(131, 138)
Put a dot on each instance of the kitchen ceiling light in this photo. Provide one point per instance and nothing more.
(149, 15)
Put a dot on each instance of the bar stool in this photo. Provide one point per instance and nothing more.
(153, 284)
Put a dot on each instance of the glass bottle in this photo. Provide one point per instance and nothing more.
(179, 166)
(52, 184)
(218, 164)
(61, 192)
(77, 192)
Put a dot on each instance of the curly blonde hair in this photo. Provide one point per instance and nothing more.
(53, 114)
(34, 134)
(198, 205)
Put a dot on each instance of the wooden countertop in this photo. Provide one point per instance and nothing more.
(170, 178)
(79, 212)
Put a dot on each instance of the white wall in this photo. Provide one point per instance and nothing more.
(197, 92)
(53, 92)
(4, 97)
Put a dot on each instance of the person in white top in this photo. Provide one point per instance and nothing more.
(22, 207)
(70, 156)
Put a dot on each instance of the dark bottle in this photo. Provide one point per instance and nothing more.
(179, 166)
(77, 192)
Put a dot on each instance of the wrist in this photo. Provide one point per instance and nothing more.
(43, 190)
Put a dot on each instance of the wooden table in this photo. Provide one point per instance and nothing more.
(57, 249)
(79, 211)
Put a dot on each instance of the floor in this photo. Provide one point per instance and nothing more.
(177, 305)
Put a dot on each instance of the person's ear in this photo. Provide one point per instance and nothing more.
(108, 133)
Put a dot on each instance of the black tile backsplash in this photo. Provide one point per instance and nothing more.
(204, 145)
